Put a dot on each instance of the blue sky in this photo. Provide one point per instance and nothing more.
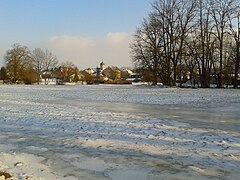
(81, 31)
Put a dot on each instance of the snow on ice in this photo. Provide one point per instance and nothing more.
(119, 132)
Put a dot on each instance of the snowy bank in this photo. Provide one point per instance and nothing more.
(119, 132)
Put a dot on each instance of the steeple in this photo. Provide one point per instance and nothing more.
(102, 65)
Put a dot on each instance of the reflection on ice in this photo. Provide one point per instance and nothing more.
(119, 132)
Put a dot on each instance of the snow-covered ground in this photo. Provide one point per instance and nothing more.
(119, 132)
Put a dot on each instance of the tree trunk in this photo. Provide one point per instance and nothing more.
(237, 66)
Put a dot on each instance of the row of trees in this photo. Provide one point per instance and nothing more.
(22, 65)
(199, 39)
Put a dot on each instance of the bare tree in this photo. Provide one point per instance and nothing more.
(38, 56)
(220, 12)
(145, 49)
(192, 58)
(159, 43)
(176, 20)
(18, 61)
(50, 61)
(203, 44)
(180, 35)
(43, 60)
(235, 31)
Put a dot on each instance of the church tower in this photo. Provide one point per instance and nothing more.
(102, 66)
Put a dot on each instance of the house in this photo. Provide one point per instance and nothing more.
(126, 73)
(87, 76)
(112, 72)
(51, 77)
(135, 77)
(46, 77)
(89, 71)
(108, 75)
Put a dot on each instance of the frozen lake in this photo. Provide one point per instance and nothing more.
(119, 132)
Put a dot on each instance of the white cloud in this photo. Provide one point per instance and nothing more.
(71, 41)
(85, 52)
(116, 38)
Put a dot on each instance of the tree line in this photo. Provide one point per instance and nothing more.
(189, 39)
(22, 65)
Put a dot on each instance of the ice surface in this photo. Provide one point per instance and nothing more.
(119, 132)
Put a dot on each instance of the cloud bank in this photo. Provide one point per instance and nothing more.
(86, 52)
